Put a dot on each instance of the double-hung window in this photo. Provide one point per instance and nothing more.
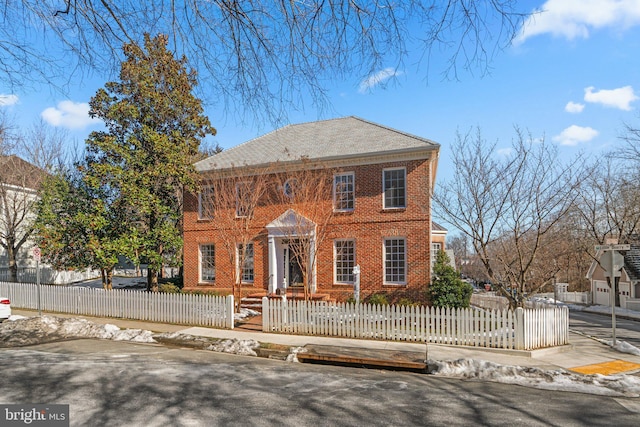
(394, 188)
(395, 261)
(345, 260)
(207, 263)
(205, 203)
(245, 262)
(435, 248)
(244, 199)
(344, 192)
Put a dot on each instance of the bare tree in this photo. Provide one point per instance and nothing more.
(307, 195)
(508, 205)
(230, 200)
(261, 55)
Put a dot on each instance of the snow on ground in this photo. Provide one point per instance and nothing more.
(22, 331)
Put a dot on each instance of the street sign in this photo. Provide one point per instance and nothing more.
(37, 254)
(612, 263)
(613, 247)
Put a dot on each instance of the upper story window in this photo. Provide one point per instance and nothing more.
(244, 199)
(343, 192)
(435, 248)
(394, 188)
(205, 203)
(290, 187)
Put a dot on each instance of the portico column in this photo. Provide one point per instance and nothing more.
(273, 265)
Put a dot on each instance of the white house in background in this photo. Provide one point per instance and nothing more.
(629, 286)
(19, 183)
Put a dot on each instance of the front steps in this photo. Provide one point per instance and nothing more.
(254, 300)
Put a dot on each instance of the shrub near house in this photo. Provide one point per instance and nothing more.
(333, 194)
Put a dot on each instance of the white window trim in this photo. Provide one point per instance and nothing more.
(335, 260)
(384, 261)
(200, 246)
(200, 213)
(240, 269)
(247, 184)
(353, 175)
(384, 206)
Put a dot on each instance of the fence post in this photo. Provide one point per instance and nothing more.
(265, 314)
(519, 328)
(230, 310)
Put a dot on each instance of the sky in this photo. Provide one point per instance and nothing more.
(572, 76)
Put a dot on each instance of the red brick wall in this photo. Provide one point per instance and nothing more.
(368, 225)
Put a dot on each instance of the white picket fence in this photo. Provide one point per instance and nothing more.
(523, 329)
(188, 309)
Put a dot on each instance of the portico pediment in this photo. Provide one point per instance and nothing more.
(289, 224)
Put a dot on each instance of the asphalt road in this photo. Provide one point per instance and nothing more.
(123, 384)
(599, 326)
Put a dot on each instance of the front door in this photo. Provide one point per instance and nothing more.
(293, 271)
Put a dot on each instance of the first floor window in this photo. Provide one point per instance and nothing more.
(247, 263)
(345, 260)
(207, 263)
(395, 261)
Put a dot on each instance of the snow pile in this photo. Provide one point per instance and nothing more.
(38, 330)
(293, 353)
(234, 346)
(559, 380)
(623, 347)
(244, 313)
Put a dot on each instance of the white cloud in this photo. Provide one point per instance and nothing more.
(376, 79)
(573, 107)
(573, 19)
(505, 152)
(574, 135)
(617, 98)
(8, 100)
(69, 114)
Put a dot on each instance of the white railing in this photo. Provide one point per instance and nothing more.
(520, 329)
(571, 297)
(188, 309)
(49, 275)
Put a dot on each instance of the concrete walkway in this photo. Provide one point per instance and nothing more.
(580, 353)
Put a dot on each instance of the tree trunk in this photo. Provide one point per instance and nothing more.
(13, 265)
(152, 280)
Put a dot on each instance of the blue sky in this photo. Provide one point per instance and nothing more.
(572, 76)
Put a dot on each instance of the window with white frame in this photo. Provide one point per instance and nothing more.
(395, 261)
(205, 203)
(243, 199)
(247, 263)
(207, 263)
(435, 248)
(345, 260)
(394, 188)
(343, 192)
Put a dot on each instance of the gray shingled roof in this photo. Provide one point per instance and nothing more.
(322, 140)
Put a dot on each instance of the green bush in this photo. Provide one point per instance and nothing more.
(168, 288)
(447, 288)
(378, 299)
(407, 301)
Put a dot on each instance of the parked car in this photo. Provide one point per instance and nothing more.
(5, 308)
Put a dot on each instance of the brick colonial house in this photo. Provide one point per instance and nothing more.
(375, 212)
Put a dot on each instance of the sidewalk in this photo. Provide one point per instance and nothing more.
(582, 352)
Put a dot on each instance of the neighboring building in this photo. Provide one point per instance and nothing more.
(629, 285)
(380, 212)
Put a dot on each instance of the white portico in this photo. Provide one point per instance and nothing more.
(285, 265)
